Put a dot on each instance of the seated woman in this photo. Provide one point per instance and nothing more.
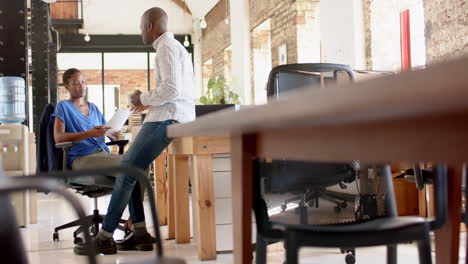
(78, 120)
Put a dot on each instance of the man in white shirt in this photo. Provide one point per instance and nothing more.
(170, 102)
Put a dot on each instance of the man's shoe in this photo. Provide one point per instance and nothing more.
(131, 242)
(106, 247)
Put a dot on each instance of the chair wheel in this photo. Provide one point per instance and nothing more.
(55, 236)
(337, 209)
(77, 240)
(283, 207)
(344, 204)
(93, 231)
(342, 250)
(350, 259)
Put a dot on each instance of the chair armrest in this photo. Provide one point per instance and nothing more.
(66, 145)
(120, 143)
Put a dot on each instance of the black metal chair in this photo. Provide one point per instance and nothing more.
(54, 157)
(387, 230)
(10, 240)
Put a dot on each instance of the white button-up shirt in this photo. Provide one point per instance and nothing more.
(173, 97)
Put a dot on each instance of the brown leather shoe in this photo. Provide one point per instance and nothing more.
(106, 247)
(131, 242)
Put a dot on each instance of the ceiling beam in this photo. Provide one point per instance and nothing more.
(183, 5)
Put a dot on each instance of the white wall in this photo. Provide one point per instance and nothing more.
(240, 43)
(342, 32)
(308, 38)
(385, 28)
(123, 16)
(200, 8)
(197, 57)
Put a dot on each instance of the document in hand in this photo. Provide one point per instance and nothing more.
(117, 121)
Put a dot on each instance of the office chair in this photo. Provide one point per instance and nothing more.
(307, 183)
(54, 157)
(290, 77)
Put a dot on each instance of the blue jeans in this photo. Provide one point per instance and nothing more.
(150, 142)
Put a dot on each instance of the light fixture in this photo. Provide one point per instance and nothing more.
(226, 20)
(186, 42)
(203, 23)
(87, 38)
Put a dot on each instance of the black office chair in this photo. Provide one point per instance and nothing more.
(308, 183)
(54, 157)
(291, 77)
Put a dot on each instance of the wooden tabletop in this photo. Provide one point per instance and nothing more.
(439, 89)
(419, 115)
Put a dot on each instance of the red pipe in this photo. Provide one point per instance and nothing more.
(405, 40)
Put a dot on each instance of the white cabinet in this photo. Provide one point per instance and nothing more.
(14, 139)
(223, 203)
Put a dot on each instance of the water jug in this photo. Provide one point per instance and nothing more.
(12, 100)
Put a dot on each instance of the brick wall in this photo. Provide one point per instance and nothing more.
(446, 28)
(283, 15)
(215, 39)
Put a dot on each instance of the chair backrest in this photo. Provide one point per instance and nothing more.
(49, 157)
(290, 77)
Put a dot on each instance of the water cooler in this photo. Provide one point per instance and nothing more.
(14, 138)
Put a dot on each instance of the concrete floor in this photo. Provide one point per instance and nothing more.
(53, 211)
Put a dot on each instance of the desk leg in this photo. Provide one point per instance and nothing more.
(447, 238)
(204, 204)
(160, 187)
(181, 199)
(243, 150)
(170, 197)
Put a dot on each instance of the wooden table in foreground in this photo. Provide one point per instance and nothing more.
(413, 116)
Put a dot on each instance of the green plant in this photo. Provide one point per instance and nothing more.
(218, 92)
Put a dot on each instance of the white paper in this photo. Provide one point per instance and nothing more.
(117, 121)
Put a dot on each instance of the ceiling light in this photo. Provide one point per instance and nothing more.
(203, 23)
(87, 38)
(186, 42)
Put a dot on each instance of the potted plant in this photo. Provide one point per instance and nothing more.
(218, 96)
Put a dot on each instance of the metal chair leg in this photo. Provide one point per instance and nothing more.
(392, 254)
(424, 250)
(292, 248)
(260, 250)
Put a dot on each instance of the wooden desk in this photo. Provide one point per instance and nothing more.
(412, 116)
(194, 155)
